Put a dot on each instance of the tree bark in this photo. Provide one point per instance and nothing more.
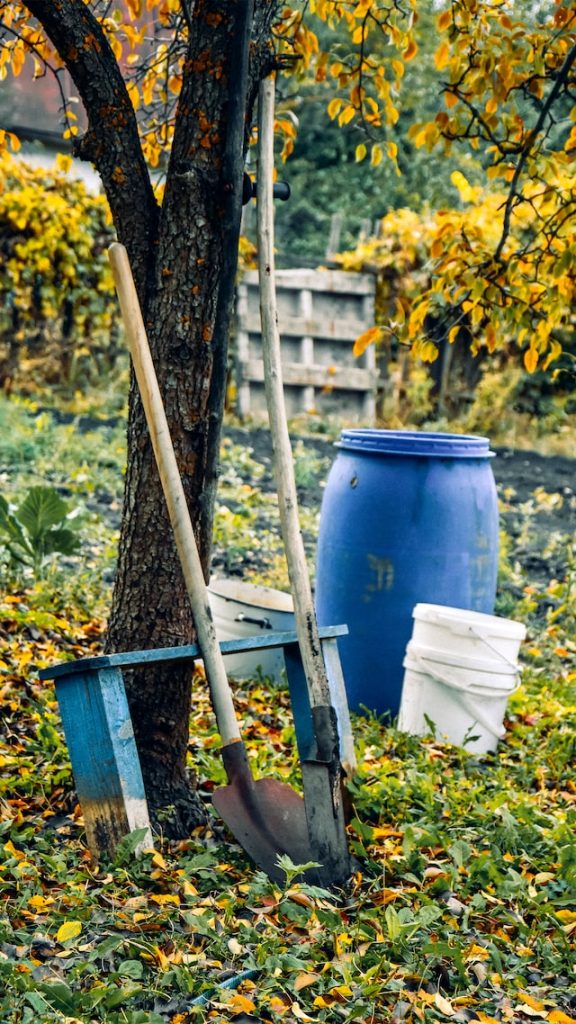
(150, 604)
(184, 261)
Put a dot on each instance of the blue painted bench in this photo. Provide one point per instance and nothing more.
(100, 738)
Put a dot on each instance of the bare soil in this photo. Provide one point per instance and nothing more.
(537, 499)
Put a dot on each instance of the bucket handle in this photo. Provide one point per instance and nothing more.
(482, 719)
(483, 638)
(431, 669)
(445, 620)
(263, 623)
(468, 703)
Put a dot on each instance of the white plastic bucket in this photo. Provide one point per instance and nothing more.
(460, 679)
(472, 634)
(244, 609)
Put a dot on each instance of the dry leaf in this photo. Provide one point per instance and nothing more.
(444, 1005)
(303, 980)
(68, 930)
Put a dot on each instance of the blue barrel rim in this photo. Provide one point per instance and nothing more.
(428, 444)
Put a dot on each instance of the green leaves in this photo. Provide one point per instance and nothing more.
(36, 530)
(404, 924)
(291, 870)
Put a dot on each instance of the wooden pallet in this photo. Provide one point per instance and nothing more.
(320, 313)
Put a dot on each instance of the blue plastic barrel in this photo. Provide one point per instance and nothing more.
(407, 517)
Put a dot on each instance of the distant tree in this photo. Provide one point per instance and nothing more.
(327, 170)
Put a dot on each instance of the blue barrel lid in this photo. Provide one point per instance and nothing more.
(416, 442)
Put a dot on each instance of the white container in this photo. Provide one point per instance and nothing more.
(480, 673)
(243, 609)
(472, 634)
(460, 669)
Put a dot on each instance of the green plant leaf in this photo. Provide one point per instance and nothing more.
(131, 969)
(116, 997)
(41, 509)
(62, 541)
(59, 995)
(11, 527)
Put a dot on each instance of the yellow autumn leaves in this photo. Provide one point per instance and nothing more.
(442, 265)
(366, 88)
(68, 931)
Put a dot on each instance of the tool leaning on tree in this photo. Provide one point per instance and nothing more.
(322, 772)
(267, 817)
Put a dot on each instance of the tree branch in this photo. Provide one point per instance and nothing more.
(561, 79)
(232, 176)
(184, 4)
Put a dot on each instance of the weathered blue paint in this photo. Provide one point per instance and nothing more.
(103, 755)
(188, 652)
(299, 701)
(100, 737)
(339, 700)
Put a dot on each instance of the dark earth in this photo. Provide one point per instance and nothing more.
(537, 499)
(537, 503)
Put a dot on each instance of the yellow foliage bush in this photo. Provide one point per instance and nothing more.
(57, 311)
(59, 324)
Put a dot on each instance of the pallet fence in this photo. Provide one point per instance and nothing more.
(320, 313)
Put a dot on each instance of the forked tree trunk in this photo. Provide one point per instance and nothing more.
(187, 314)
(184, 261)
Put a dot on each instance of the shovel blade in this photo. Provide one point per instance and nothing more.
(267, 821)
(326, 823)
(324, 800)
(266, 817)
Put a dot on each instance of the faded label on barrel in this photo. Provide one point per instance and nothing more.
(381, 576)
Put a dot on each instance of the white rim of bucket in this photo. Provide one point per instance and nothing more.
(251, 595)
(461, 620)
(420, 665)
(495, 666)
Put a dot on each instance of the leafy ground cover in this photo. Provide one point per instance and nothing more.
(462, 903)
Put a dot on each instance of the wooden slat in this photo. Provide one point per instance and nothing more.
(299, 700)
(349, 378)
(333, 244)
(340, 704)
(188, 652)
(306, 310)
(319, 281)
(103, 755)
(299, 327)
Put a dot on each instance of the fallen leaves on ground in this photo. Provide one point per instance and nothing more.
(461, 906)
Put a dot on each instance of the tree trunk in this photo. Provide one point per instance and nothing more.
(187, 314)
(184, 261)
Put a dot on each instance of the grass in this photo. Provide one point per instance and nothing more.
(461, 905)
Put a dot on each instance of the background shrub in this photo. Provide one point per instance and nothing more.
(57, 306)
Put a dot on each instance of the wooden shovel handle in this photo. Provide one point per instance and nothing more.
(304, 613)
(174, 493)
